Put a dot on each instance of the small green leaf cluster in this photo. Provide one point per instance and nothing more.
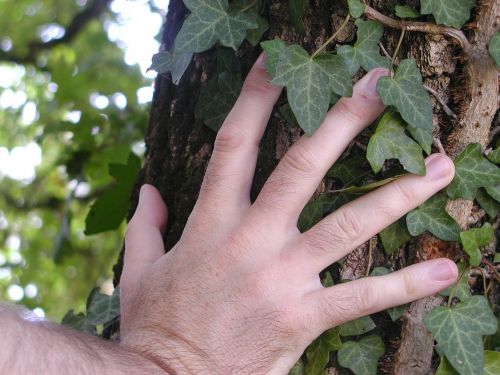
(102, 310)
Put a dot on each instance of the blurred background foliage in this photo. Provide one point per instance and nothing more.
(74, 97)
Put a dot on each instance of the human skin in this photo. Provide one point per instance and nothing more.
(240, 292)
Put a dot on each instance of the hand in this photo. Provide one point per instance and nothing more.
(240, 293)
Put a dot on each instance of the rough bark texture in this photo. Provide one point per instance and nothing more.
(179, 146)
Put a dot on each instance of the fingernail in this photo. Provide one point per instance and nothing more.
(371, 85)
(437, 166)
(261, 59)
(141, 192)
(443, 271)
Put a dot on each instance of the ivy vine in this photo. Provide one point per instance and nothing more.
(315, 81)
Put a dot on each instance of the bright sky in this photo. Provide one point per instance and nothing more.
(135, 32)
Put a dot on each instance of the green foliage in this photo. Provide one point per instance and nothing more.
(211, 21)
(494, 48)
(318, 353)
(109, 210)
(296, 9)
(217, 98)
(494, 155)
(458, 332)
(406, 93)
(404, 11)
(173, 62)
(103, 308)
(356, 8)
(304, 77)
(461, 288)
(432, 216)
(361, 357)
(491, 362)
(390, 142)
(472, 171)
(365, 52)
(394, 236)
(475, 238)
(78, 141)
(273, 49)
(357, 327)
(347, 170)
(448, 12)
(487, 203)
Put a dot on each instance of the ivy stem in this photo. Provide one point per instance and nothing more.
(330, 39)
(395, 54)
(485, 289)
(454, 289)
(249, 6)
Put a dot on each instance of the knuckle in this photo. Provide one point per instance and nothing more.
(353, 112)
(347, 225)
(300, 159)
(402, 199)
(321, 240)
(410, 286)
(229, 138)
(364, 298)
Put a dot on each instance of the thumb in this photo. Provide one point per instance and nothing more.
(143, 239)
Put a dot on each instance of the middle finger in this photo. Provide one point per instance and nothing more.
(299, 173)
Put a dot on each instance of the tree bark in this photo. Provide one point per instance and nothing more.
(179, 146)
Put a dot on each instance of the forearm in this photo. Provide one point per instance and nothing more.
(28, 347)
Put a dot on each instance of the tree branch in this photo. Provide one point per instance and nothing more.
(425, 27)
(77, 24)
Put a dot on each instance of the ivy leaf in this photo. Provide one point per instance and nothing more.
(404, 11)
(297, 369)
(103, 308)
(494, 49)
(296, 9)
(109, 210)
(394, 236)
(327, 281)
(313, 212)
(79, 322)
(445, 368)
(365, 52)
(217, 98)
(335, 68)
(318, 353)
(368, 187)
(461, 288)
(361, 357)
(487, 203)
(356, 8)
(494, 155)
(173, 62)
(475, 238)
(458, 332)
(406, 92)
(348, 169)
(273, 49)
(491, 362)
(494, 192)
(305, 78)
(432, 216)
(357, 327)
(255, 35)
(209, 21)
(251, 7)
(448, 12)
(472, 171)
(390, 142)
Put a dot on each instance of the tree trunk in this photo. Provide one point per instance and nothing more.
(179, 146)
